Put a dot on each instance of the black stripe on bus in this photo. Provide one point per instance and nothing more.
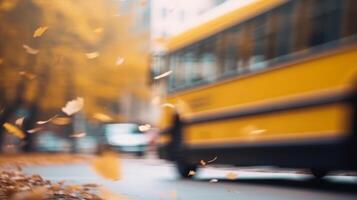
(274, 107)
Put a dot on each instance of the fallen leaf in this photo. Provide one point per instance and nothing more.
(14, 130)
(107, 165)
(119, 61)
(73, 106)
(34, 130)
(46, 121)
(191, 173)
(19, 121)
(213, 180)
(40, 31)
(61, 121)
(102, 117)
(30, 50)
(92, 55)
(231, 175)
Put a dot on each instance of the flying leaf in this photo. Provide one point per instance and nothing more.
(46, 121)
(92, 55)
(14, 130)
(73, 106)
(215, 158)
(19, 121)
(202, 162)
(98, 30)
(40, 31)
(107, 165)
(30, 50)
(61, 121)
(213, 180)
(231, 175)
(102, 117)
(78, 135)
(119, 61)
(34, 130)
(191, 173)
(163, 75)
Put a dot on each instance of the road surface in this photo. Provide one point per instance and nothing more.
(153, 179)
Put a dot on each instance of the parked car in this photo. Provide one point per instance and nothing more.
(126, 137)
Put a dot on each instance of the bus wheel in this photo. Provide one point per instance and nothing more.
(319, 173)
(186, 170)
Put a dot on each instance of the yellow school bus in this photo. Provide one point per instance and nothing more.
(268, 83)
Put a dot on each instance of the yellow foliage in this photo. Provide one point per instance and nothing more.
(14, 130)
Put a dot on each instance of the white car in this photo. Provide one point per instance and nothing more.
(126, 137)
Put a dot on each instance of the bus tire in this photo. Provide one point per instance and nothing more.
(184, 169)
(319, 173)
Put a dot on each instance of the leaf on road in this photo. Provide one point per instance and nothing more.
(92, 55)
(107, 165)
(231, 175)
(30, 50)
(61, 121)
(14, 130)
(102, 117)
(19, 121)
(46, 121)
(73, 106)
(40, 31)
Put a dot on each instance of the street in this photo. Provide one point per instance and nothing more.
(153, 179)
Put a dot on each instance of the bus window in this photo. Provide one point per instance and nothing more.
(301, 24)
(349, 15)
(326, 17)
(282, 27)
(226, 53)
(173, 62)
(245, 47)
(188, 65)
(207, 60)
(260, 43)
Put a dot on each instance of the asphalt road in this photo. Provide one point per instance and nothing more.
(152, 179)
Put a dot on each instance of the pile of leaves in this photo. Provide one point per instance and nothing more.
(15, 185)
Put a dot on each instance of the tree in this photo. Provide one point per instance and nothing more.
(54, 51)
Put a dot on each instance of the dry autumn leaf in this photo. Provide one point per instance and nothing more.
(92, 55)
(119, 61)
(102, 117)
(46, 121)
(107, 165)
(78, 135)
(232, 175)
(19, 121)
(34, 130)
(14, 130)
(98, 30)
(40, 31)
(202, 162)
(61, 121)
(73, 106)
(30, 50)
(191, 173)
